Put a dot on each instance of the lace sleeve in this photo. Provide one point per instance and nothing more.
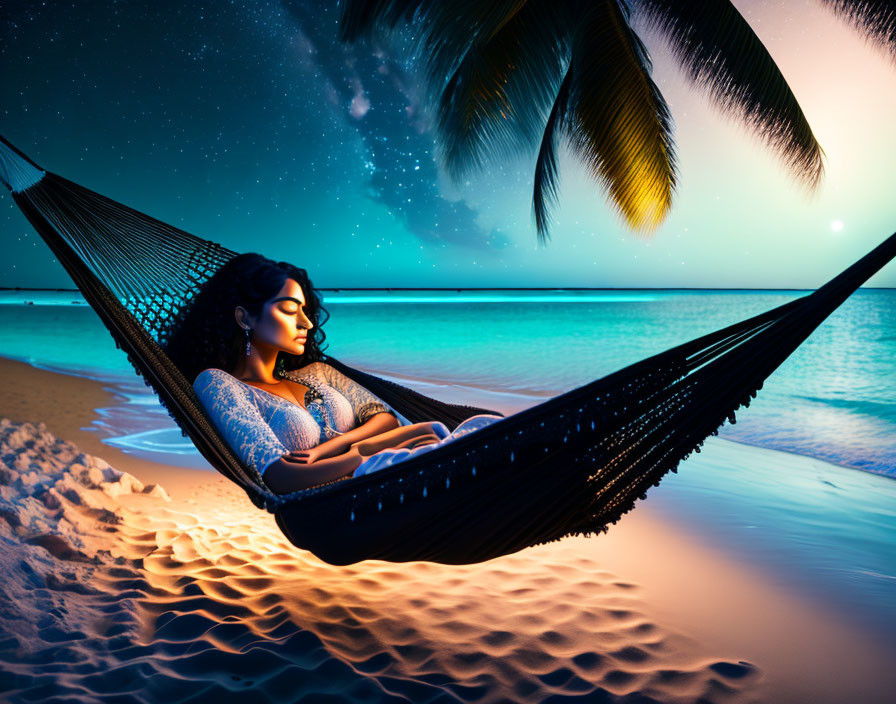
(232, 409)
(364, 404)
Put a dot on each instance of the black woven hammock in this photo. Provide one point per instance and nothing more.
(569, 466)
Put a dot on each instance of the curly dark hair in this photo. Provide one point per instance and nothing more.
(207, 334)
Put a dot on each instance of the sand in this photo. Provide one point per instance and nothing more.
(126, 578)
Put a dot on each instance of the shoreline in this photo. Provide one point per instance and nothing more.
(682, 583)
(66, 405)
(506, 402)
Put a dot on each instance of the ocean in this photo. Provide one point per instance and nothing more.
(834, 399)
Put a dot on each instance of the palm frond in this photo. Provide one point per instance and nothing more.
(361, 18)
(620, 125)
(721, 54)
(876, 19)
(545, 186)
(444, 30)
(497, 100)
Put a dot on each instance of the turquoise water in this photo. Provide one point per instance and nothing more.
(833, 399)
(822, 528)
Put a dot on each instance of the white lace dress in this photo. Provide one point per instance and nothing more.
(261, 427)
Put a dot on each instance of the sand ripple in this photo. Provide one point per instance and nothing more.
(114, 590)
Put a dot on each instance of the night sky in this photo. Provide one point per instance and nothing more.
(250, 125)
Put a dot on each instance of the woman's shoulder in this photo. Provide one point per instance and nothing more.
(213, 377)
(213, 373)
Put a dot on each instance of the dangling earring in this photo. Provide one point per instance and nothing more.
(248, 346)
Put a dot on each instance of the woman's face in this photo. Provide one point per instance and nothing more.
(283, 324)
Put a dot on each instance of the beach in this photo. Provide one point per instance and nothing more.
(155, 582)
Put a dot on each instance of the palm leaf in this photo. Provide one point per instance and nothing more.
(545, 186)
(497, 100)
(445, 30)
(619, 123)
(363, 17)
(510, 74)
(876, 19)
(721, 54)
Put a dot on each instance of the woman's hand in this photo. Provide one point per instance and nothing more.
(309, 456)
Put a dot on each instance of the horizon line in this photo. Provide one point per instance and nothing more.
(509, 288)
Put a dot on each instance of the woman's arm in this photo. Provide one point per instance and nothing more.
(233, 410)
(293, 472)
(395, 438)
(287, 475)
(375, 425)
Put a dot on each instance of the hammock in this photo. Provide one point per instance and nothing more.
(572, 465)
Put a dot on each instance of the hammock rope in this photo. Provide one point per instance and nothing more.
(572, 465)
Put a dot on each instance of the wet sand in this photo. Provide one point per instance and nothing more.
(128, 577)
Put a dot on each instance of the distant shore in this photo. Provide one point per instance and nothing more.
(506, 288)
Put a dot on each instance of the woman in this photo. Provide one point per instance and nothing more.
(251, 339)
